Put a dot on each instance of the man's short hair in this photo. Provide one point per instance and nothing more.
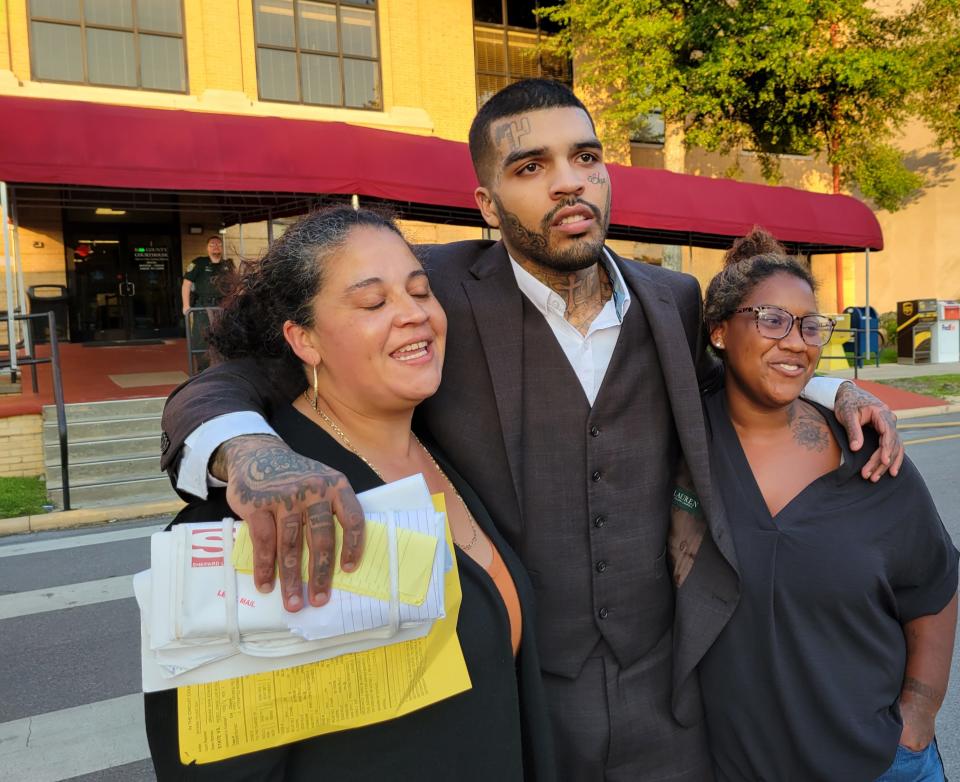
(526, 95)
(215, 236)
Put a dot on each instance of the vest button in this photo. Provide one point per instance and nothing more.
(601, 565)
(599, 521)
(594, 431)
(596, 476)
(603, 613)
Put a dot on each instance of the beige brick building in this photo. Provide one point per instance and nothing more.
(413, 66)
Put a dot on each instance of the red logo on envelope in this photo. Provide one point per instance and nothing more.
(207, 547)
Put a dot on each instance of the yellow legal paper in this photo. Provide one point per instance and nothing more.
(415, 554)
(229, 718)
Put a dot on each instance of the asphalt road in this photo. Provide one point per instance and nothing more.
(69, 638)
(934, 446)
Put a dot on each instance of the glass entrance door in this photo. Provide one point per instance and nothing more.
(95, 280)
(152, 294)
(122, 283)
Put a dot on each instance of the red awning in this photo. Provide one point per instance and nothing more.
(96, 145)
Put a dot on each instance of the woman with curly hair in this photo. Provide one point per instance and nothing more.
(342, 313)
(836, 659)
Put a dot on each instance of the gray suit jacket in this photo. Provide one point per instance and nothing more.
(475, 415)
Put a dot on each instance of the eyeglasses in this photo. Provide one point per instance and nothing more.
(775, 323)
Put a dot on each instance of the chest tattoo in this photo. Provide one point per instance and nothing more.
(808, 428)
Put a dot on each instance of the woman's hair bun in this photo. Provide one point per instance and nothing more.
(757, 242)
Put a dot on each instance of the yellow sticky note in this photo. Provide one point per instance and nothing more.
(229, 718)
(415, 556)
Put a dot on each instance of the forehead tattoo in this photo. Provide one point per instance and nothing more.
(511, 132)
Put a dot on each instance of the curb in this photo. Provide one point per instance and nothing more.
(84, 517)
(922, 412)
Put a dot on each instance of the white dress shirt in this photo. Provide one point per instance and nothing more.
(589, 357)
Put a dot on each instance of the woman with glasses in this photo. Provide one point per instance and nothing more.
(836, 660)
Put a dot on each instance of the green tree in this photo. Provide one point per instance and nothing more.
(835, 77)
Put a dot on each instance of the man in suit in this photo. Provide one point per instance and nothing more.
(570, 392)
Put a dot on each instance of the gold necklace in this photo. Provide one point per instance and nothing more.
(314, 403)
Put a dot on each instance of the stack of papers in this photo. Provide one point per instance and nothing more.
(204, 621)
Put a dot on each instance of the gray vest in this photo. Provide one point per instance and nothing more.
(596, 500)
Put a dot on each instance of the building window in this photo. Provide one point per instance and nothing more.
(507, 35)
(649, 128)
(322, 53)
(113, 43)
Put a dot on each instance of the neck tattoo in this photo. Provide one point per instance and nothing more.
(590, 289)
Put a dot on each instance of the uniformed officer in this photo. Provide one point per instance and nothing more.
(203, 287)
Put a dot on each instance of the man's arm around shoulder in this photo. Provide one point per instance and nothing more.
(279, 493)
(241, 385)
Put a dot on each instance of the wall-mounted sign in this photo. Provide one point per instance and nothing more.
(151, 259)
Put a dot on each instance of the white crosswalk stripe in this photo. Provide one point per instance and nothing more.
(74, 541)
(66, 740)
(70, 742)
(39, 601)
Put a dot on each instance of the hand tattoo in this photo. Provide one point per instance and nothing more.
(320, 529)
(270, 472)
(851, 399)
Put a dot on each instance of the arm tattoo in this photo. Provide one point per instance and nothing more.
(917, 687)
(807, 427)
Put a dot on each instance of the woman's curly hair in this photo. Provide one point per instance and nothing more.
(748, 262)
(282, 285)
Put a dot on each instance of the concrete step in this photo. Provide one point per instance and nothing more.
(89, 473)
(114, 452)
(117, 493)
(101, 450)
(87, 431)
(107, 411)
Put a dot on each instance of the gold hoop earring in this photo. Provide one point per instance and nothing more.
(316, 386)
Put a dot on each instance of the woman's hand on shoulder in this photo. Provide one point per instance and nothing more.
(279, 493)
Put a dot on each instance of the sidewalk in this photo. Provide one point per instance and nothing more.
(98, 374)
(895, 371)
(905, 404)
(85, 517)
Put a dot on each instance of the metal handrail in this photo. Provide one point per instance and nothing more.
(25, 342)
(191, 350)
(54, 360)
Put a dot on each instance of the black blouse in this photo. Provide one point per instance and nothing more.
(497, 730)
(803, 683)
